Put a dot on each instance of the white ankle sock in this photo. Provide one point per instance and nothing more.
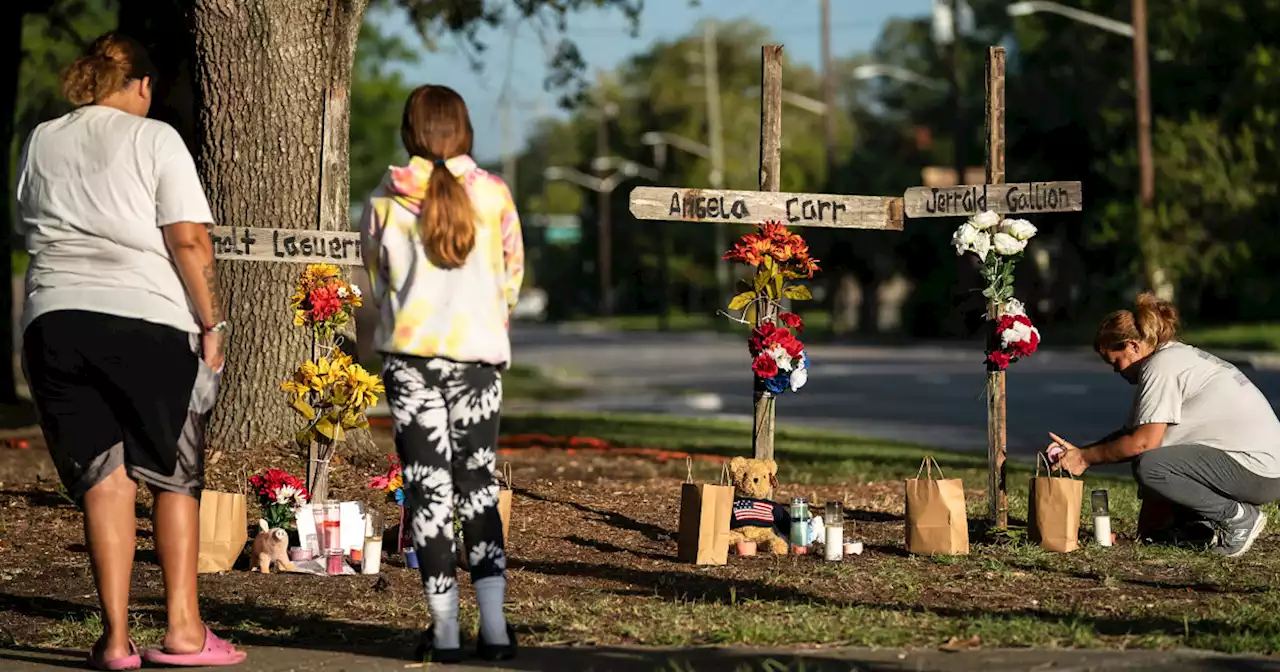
(444, 618)
(491, 594)
(1239, 514)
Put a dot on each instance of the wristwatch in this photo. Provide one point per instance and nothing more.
(217, 328)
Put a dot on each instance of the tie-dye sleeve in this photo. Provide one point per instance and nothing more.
(512, 250)
(372, 222)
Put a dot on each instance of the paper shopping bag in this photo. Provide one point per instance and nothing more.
(937, 523)
(504, 501)
(705, 510)
(1053, 516)
(224, 530)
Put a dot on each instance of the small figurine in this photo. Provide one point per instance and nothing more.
(270, 546)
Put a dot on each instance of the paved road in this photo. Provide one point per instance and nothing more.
(931, 395)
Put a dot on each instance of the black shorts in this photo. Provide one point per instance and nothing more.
(114, 390)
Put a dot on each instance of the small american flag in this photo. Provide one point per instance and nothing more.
(752, 509)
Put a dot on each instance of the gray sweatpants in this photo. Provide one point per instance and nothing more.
(1205, 480)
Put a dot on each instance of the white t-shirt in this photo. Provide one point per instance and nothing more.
(1207, 401)
(95, 186)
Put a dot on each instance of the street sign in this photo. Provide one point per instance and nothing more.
(303, 246)
(753, 207)
(1025, 198)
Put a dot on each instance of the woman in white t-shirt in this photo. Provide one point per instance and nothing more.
(1201, 437)
(122, 336)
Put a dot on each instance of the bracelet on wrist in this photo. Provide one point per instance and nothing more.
(217, 328)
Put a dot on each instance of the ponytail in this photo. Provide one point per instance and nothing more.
(448, 221)
(1156, 320)
(1153, 322)
(105, 68)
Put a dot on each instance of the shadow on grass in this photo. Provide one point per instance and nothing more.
(247, 624)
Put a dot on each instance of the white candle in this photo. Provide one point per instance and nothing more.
(372, 556)
(1102, 530)
(834, 548)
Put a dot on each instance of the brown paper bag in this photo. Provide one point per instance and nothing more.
(937, 523)
(504, 500)
(224, 530)
(1053, 511)
(705, 510)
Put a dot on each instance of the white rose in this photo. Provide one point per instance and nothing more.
(784, 361)
(982, 245)
(1006, 245)
(1018, 228)
(984, 220)
(1018, 333)
(963, 238)
(1013, 307)
(798, 378)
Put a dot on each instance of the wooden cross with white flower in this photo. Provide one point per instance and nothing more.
(998, 242)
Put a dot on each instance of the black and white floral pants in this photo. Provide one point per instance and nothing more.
(446, 420)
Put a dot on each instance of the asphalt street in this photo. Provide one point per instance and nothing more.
(930, 395)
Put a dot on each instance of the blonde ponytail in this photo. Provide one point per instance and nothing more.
(105, 68)
(1152, 322)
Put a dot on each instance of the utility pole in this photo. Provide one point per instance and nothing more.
(828, 92)
(715, 140)
(604, 248)
(1152, 270)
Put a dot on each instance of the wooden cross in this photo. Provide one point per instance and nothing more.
(1007, 199)
(687, 204)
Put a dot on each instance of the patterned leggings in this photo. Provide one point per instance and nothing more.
(446, 420)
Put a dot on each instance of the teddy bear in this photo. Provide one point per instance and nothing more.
(755, 517)
(270, 546)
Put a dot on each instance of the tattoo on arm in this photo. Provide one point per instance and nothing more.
(215, 301)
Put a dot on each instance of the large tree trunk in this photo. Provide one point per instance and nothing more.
(10, 61)
(272, 79)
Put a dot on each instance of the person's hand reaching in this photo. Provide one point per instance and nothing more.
(1066, 455)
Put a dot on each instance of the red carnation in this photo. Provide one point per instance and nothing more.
(792, 320)
(761, 338)
(764, 366)
(999, 360)
(789, 342)
(324, 302)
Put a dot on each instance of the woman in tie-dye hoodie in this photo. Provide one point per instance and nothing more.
(443, 248)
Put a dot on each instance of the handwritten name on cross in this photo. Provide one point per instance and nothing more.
(302, 246)
(1018, 199)
(687, 204)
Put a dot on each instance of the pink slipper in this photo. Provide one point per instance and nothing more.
(216, 653)
(130, 662)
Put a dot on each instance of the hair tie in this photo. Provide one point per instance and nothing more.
(439, 162)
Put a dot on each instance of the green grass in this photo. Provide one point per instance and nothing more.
(1263, 336)
(1006, 591)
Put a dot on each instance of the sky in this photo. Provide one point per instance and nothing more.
(516, 58)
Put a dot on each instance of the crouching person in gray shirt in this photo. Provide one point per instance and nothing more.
(1200, 437)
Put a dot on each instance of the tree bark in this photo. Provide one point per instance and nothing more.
(272, 80)
(11, 37)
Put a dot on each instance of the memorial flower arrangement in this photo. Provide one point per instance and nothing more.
(330, 392)
(392, 483)
(779, 360)
(999, 243)
(323, 301)
(280, 494)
